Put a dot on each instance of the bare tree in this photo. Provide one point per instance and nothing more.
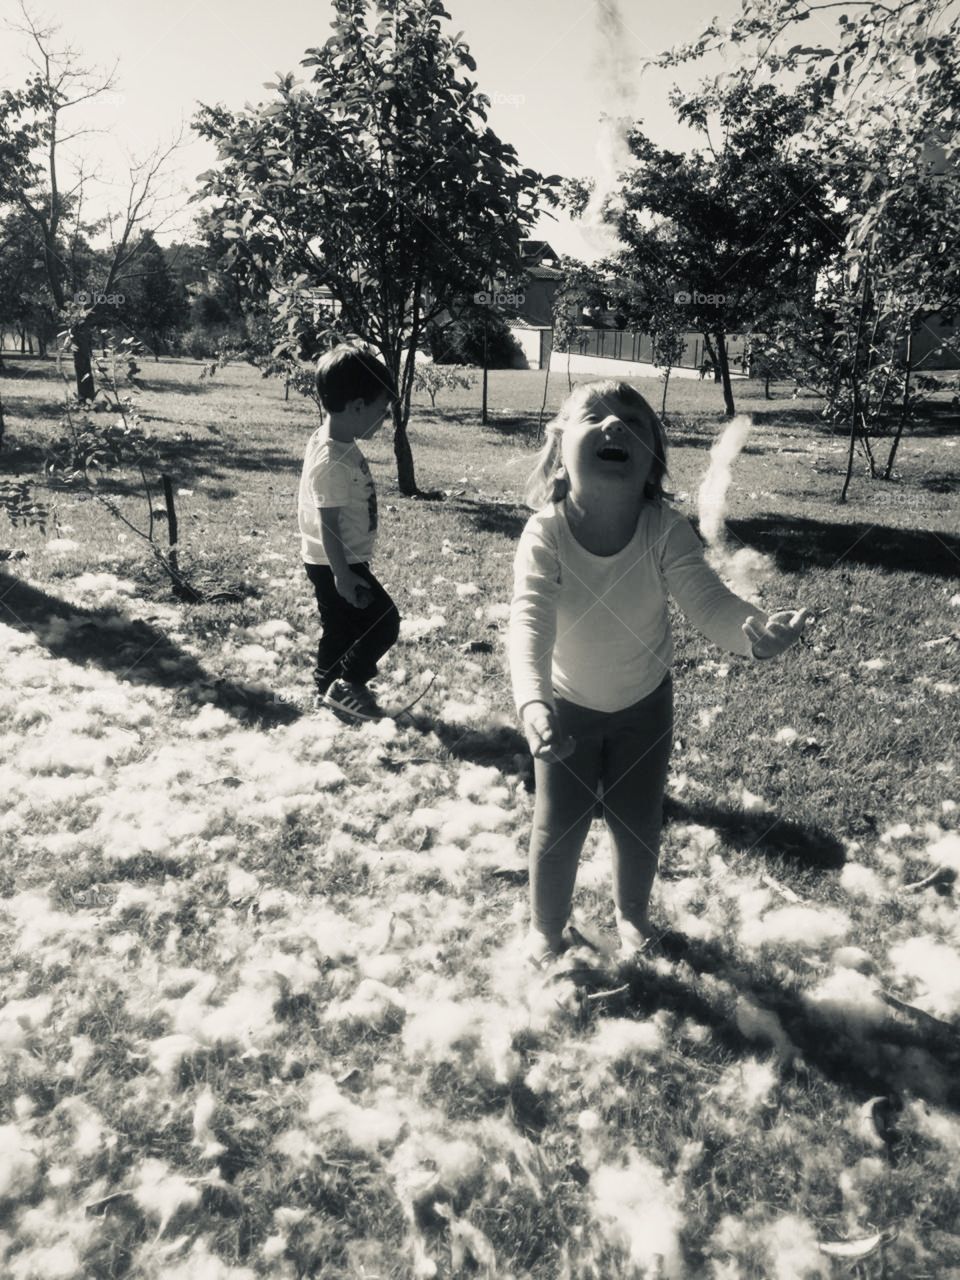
(84, 284)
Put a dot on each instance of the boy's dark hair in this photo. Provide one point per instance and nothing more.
(347, 372)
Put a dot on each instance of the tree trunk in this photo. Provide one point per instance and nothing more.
(857, 410)
(543, 402)
(725, 375)
(83, 360)
(2, 423)
(483, 411)
(708, 347)
(903, 410)
(406, 476)
(663, 402)
(766, 388)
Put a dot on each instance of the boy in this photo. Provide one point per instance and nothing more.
(338, 529)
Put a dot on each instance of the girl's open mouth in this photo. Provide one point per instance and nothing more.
(612, 453)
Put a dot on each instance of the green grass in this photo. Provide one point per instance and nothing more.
(875, 747)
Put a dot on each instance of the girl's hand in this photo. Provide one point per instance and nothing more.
(782, 630)
(543, 735)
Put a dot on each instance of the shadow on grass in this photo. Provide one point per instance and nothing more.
(491, 517)
(902, 1051)
(798, 544)
(766, 833)
(131, 650)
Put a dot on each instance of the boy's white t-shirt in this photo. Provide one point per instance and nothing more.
(335, 474)
(596, 629)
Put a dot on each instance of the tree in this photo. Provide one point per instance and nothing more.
(85, 286)
(881, 115)
(157, 305)
(25, 301)
(728, 231)
(381, 184)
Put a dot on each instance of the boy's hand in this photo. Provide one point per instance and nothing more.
(354, 589)
(543, 736)
(782, 630)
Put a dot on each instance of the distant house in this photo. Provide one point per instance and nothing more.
(532, 327)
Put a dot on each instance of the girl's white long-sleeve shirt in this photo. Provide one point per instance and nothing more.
(595, 630)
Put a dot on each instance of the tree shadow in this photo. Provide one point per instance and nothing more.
(941, 482)
(798, 544)
(21, 457)
(507, 518)
(22, 407)
(131, 650)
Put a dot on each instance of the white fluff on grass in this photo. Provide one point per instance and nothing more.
(475, 782)
(161, 1193)
(626, 1040)
(20, 1018)
(745, 1086)
(945, 852)
(53, 1239)
(18, 1163)
(934, 968)
(38, 923)
(371, 1005)
(458, 820)
(696, 839)
(413, 629)
(809, 928)
(789, 1246)
(477, 714)
(847, 1000)
(366, 1127)
(640, 1211)
(937, 1125)
(863, 882)
(438, 1028)
(152, 1262)
(271, 628)
(204, 1108)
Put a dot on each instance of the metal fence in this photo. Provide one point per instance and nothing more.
(628, 344)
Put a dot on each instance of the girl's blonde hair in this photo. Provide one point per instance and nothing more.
(545, 484)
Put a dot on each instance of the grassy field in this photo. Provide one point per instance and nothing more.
(264, 1011)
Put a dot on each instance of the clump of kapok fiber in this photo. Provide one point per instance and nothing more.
(744, 569)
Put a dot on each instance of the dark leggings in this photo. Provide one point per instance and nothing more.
(628, 753)
(352, 641)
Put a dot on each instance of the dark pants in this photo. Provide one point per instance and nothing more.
(627, 752)
(351, 640)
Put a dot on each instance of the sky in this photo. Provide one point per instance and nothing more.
(543, 63)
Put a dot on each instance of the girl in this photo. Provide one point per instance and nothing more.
(590, 648)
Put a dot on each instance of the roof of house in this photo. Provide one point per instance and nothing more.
(539, 272)
(519, 323)
(538, 249)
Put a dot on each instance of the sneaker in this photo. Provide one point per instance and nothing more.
(355, 701)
